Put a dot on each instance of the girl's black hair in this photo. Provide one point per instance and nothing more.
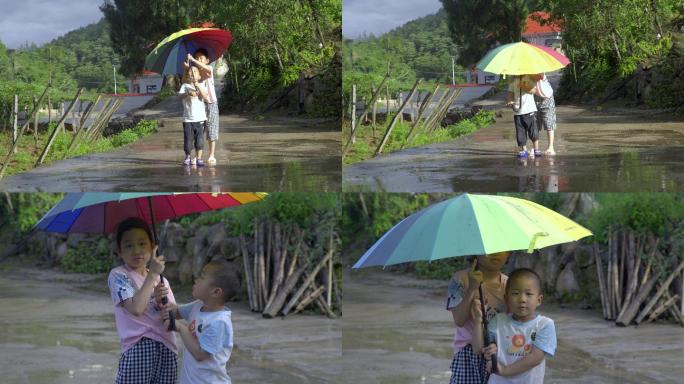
(202, 51)
(132, 223)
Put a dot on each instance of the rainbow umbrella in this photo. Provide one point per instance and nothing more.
(99, 212)
(472, 225)
(522, 59)
(168, 56)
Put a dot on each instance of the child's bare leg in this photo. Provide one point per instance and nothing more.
(212, 147)
(199, 153)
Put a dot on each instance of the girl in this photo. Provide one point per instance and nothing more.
(148, 349)
(463, 300)
(546, 105)
(201, 60)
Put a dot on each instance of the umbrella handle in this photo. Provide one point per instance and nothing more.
(164, 301)
(485, 333)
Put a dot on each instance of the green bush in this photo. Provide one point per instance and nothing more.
(88, 257)
(125, 137)
(440, 269)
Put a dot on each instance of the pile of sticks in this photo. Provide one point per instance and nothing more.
(286, 275)
(631, 290)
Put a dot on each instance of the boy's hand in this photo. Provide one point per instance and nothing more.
(156, 262)
(186, 65)
(190, 58)
(167, 322)
(489, 351)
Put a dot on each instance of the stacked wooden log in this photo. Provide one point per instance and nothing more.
(631, 288)
(285, 274)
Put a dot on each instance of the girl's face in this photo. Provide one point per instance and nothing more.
(135, 248)
(494, 261)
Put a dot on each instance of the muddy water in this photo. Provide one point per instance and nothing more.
(613, 150)
(60, 328)
(395, 330)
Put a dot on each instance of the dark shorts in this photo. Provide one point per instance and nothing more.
(526, 126)
(193, 136)
(147, 362)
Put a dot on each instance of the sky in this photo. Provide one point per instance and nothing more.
(41, 21)
(380, 16)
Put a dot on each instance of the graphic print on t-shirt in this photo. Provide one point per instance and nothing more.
(518, 346)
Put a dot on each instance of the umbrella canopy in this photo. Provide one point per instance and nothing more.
(168, 56)
(472, 225)
(93, 212)
(521, 59)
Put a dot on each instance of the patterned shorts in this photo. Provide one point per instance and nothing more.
(212, 121)
(147, 362)
(468, 368)
(546, 118)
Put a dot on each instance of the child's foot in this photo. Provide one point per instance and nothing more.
(523, 154)
(200, 163)
(193, 161)
(186, 161)
(211, 160)
(537, 153)
(550, 152)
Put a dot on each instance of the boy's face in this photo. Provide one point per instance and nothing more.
(204, 288)
(135, 248)
(523, 297)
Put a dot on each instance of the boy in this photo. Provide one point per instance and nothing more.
(201, 61)
(194, 115)
(523, 337)
(521, 98)
(204, 325)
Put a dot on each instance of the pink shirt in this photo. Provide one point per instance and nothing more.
(123, 284)
(209, 85)
(457, 287)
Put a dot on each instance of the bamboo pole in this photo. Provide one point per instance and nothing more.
(665, 304)
(609, 274)
(388, 132)
(659, 292)
(602, 285)
(248, 273)
(330, 272)
(35, 120)
(353, 115)
(262, 264)
(373, 99)
(282, 294)
(423, 108)
(309, 298)
(257, 284)
(306, 283)
(374, 111)
(89, 109)
(108, 116)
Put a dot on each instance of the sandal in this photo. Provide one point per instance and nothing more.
(523, 154)
(537, 153)
(186, 161)
(211, 160)
(200, 163)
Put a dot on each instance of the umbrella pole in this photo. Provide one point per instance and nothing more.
(164, 300)
(485, 332)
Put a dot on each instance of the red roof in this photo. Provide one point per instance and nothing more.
(534, 27)
(149, 73)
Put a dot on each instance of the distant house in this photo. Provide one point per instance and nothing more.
(547, 35)
(147, 82)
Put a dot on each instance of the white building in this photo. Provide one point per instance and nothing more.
(148, 82)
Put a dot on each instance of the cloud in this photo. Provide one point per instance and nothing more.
(380, 16)
(41, 21)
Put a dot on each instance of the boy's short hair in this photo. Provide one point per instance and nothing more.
(526, 272)
(201, 51)
(223, 276)
(186, 75)
(132, 223)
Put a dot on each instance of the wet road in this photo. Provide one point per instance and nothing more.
(60, 328)
(274, 153)
(395, 330)
(596, 151)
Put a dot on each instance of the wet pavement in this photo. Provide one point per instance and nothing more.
(395, 330)
(59, 328)
(269, 153)
(611, 150)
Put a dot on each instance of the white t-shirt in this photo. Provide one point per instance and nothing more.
(214, 331)
(527, 104)
(193, 107)
(514, 341)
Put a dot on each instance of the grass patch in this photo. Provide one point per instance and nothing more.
(366, 143)
(31, 147)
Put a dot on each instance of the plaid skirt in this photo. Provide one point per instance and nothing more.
(147, 362)
(212, 123)
(468, 368)
(546, 118)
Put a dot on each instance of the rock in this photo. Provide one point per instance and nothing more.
(171, 271)
(185, 270)
(198, 261)
(586, 204)
(61, 250)
(230, 248)
(217, 233)
(194, 246)
(173, 253)
(75, 239)
(567, 280)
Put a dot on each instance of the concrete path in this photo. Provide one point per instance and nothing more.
(611, 150)
(275, 153)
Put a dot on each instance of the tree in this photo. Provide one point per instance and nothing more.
(476, 26)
